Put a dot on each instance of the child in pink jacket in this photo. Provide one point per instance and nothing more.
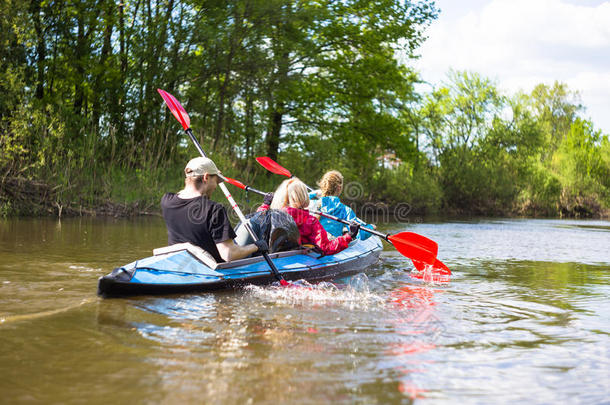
(292, 197)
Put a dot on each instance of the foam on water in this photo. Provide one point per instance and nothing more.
(85, 269)
(355, 295)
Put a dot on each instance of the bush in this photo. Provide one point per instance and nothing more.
(583, 172)
(406, 185)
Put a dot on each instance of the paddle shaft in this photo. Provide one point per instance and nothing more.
(343, 221)
(255, 191)
(237, 210)
(224, 188)
(408, 245)
(348, 223)
(227, 194)
(240, 214)
(308, 188)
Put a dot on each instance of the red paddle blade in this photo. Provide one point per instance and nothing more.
(236, 183)
(437, 273)
(176, 108)
(273, 166)
(437, 267)
(415, 246)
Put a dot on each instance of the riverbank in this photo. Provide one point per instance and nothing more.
(20, 197)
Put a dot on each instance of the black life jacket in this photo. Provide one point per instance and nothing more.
(277, 228)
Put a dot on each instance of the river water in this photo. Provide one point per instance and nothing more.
(525, 317)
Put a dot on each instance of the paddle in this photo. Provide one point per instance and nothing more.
(412, 245)
(437, 265)
(180, 113)
(276, 168)
(241, 185)
(416, 247)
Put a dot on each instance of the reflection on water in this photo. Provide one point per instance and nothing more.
(524, 317)
(419, 328)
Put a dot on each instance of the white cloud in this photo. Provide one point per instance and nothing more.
(521, 43)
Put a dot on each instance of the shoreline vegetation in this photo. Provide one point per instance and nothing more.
(27, 198)
(314, 86)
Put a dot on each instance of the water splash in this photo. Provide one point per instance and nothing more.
(429, 275)
(354, 295)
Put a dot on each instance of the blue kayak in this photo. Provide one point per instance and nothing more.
(188, 268)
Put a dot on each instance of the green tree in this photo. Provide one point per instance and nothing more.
(291, 72)
(13, 51)
(458, 119)
(584, 174)
(556, 107)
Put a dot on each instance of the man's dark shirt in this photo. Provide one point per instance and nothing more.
(198, 220)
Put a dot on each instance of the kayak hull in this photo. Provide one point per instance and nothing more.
(182, 272)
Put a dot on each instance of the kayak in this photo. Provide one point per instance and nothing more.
(184, 268)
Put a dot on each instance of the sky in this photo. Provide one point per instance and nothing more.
(520, 43)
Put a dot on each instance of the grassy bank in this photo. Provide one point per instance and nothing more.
(389, 195)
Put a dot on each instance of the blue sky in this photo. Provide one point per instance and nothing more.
(520, 43)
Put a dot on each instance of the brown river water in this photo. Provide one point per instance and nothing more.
(525, 317)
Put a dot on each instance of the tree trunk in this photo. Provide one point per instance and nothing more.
(273, 135)
(155, 48)
(222, 94)
(249, 126)
(122, 50)
(80, 69)
(41, 48)
(106, 48)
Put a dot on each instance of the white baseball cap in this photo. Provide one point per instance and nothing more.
(200, 166)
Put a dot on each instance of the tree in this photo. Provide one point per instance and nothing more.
(584, 174)
(317, 68)
(556, 107)
(458, 119)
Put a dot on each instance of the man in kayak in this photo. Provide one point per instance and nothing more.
(327, 201)
(191, 216)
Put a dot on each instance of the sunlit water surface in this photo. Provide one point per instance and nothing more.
(525, 317)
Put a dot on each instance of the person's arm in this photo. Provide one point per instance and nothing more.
(315, 195)
(329, 247)
(266, 202)
(230, 251)
(222, 234)
(262, 207)
(350, 215)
